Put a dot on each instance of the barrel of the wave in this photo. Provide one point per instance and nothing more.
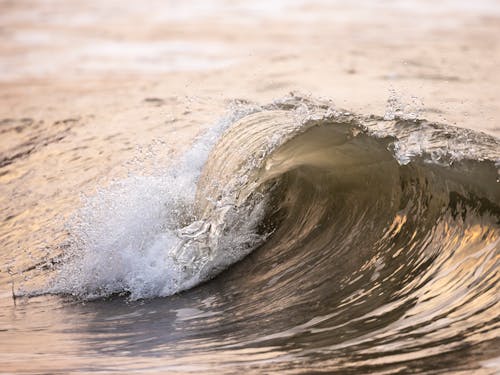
(258, 148)
(253, 155)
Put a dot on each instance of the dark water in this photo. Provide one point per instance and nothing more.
(351, 244)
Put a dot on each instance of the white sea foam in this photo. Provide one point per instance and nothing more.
(139, 235)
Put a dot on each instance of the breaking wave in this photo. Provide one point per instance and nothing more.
(385, 231)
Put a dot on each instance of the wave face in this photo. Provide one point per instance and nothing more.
(374, 243)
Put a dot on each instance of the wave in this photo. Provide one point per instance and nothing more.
(385, 231)
(296, 172)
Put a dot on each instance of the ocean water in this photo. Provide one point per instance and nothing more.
(290, 237)
(182, 190)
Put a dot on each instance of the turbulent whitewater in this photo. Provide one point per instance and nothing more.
(349, 243)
